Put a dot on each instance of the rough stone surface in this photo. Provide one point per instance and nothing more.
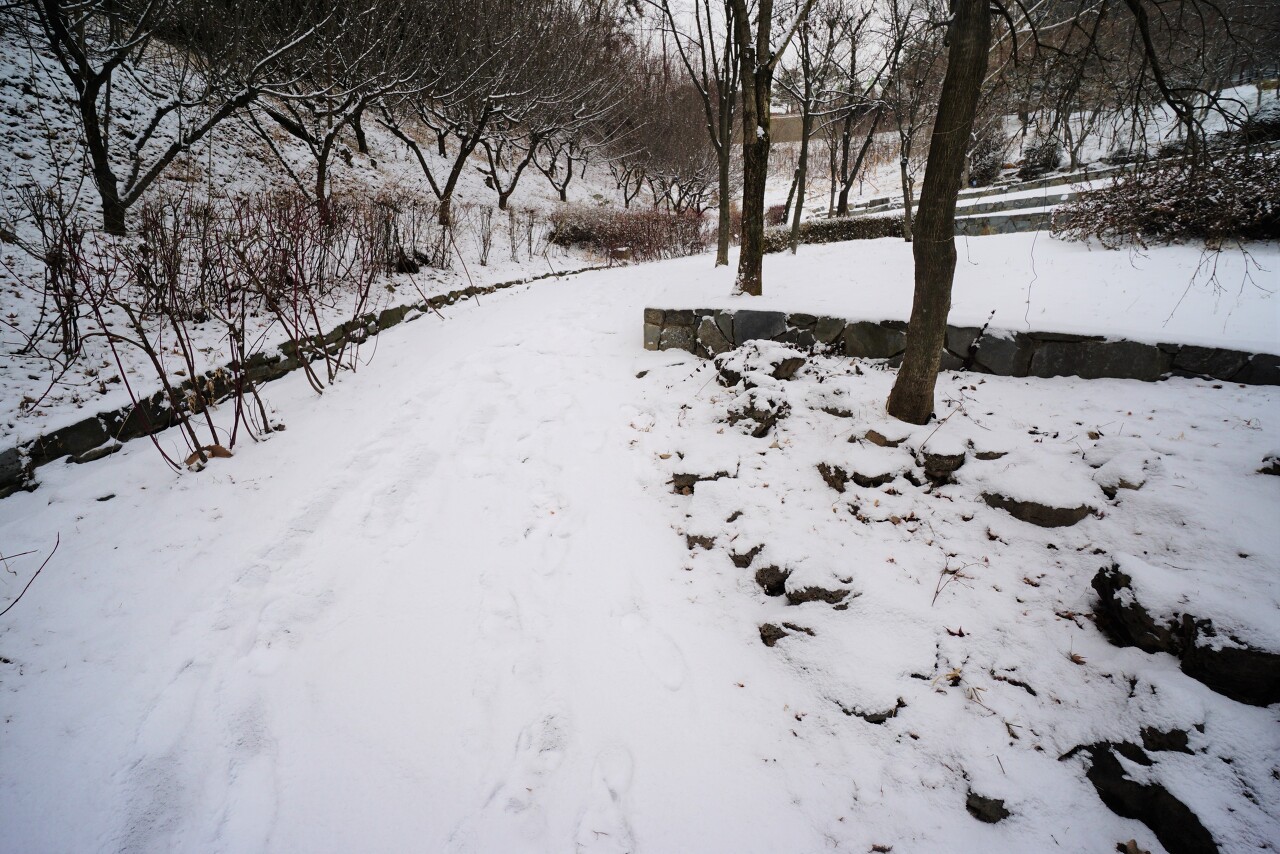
(828, 329)
(1262, 369)
(680, 317)
(1094, 360)
(960, 339)
(786, 369)
(1209, 361)
(772, 580)
(800, 338)
(1006, 357)
(1270, 465)
(816, 594)
(873, 340)
(940, 467)
(751, 325)
(97, 453)
(770, 634)
(656, 316)
(1174, 824)
(677, 338)
(990, 810)
(1244, 674)
(1125, 621)
(711, 339)
(1043, 515)
(652, 335)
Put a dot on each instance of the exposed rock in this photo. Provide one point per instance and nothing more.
(772, 580)
(771, 634)
(876, 717)
(1123, 619)
(654, 316)
(1044, 515)
(835, 476)
(1176, 826)
(753, 325)
(744, 559)
(692, 540)
(1261, 369)
(652, 335)
(873, 481)
(1008, 357)
(800, 629)
(684, 483)
(939, 468)
(816, 594)
(97, 453)
(990, 810)
(800, 338)
(1095, 359)
(990, 455)
(677, 338)
(875, 437)
(761, 409)
(1243, 673)
(786, 369)
(1270, 464)
(868, 340)
(1209, 361)
(1174, 740)
(711, 339)
(828, 329)
(802, 320)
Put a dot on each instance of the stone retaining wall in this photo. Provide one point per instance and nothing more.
(101, 434)
(707, 332)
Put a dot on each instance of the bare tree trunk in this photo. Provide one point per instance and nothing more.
(935, 252)
(726, 203)
(907, 200)
(755, 171)
(802, 176)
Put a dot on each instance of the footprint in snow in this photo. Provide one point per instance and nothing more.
(659, 653)
(603, 828)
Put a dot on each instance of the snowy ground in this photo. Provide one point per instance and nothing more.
(452, 607)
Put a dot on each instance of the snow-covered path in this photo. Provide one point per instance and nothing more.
(437, 613)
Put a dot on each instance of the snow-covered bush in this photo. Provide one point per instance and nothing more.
(1039, 157)
(1235, 198)
(986, 157)
(650, 234)
(1263, 125)
(835, 230)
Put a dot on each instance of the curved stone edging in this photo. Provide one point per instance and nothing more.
(100, 435)
(707, 332)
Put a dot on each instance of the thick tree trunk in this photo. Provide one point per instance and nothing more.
(726, 206)
(935, 252)
(755, 170)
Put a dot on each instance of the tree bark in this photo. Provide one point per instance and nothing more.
(934, 247)
(906, 200)
(802, 177)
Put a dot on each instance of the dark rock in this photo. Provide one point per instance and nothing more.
(816, 594)
(990, 810)
(743, 560)
(14, 476)
(1262, 369)
(751, 325)
(655, 316)
(800, 338)
(680, 317)
(878, 717)
(771, 634)
(990, 455)
(873, 481)
(764, 412)
(1063, 337)
(724, 320)
(960, 339)
(786, 369)
(393, 316)
(875, 437)
(1209, 361)
(772, 580)
(804, 630)
(685, 483)
(1006, 357)
(828, 329)
(1270, 465)
(947, 361)
(97, 453)
(1243, 673)
(837, 411)
(940, 467)
(1125, 621)
(1043, 515)
(692, 540)
(1176, 826)
(82, 436)
(677, 338)
(1097, 359)
(711, 341)
(803, 321)
(1174, 740)
(868, 340)
(835, 477)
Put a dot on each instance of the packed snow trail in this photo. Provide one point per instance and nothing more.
(438, 613)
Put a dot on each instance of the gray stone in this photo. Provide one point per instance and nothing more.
(724, 320)
(1044, 515)
(772, 580)
(990, 810)
(1005, 357)
(710, 339)
(805, 321)
(681, 317)
(828, 329)
(873, 340)
(13, 473)
(1063, 337)
(755, 325)
(1209, 361)
(656, 316)
(1094, 360)
(1123, 619)
(950, 362)
(1262, 369)
(97, 453)
(960, 339)
(652, 334)
(801, 338)
(677, 338)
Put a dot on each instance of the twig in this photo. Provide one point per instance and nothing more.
(57, 540)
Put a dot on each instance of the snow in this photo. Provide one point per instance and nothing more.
(1176, 294)
(452, 608)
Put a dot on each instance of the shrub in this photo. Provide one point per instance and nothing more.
(1236, 198)
(835, 230)
(775, 215)
(1040, 157)
(650, 234)
(986, 158)
(1263, 125)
